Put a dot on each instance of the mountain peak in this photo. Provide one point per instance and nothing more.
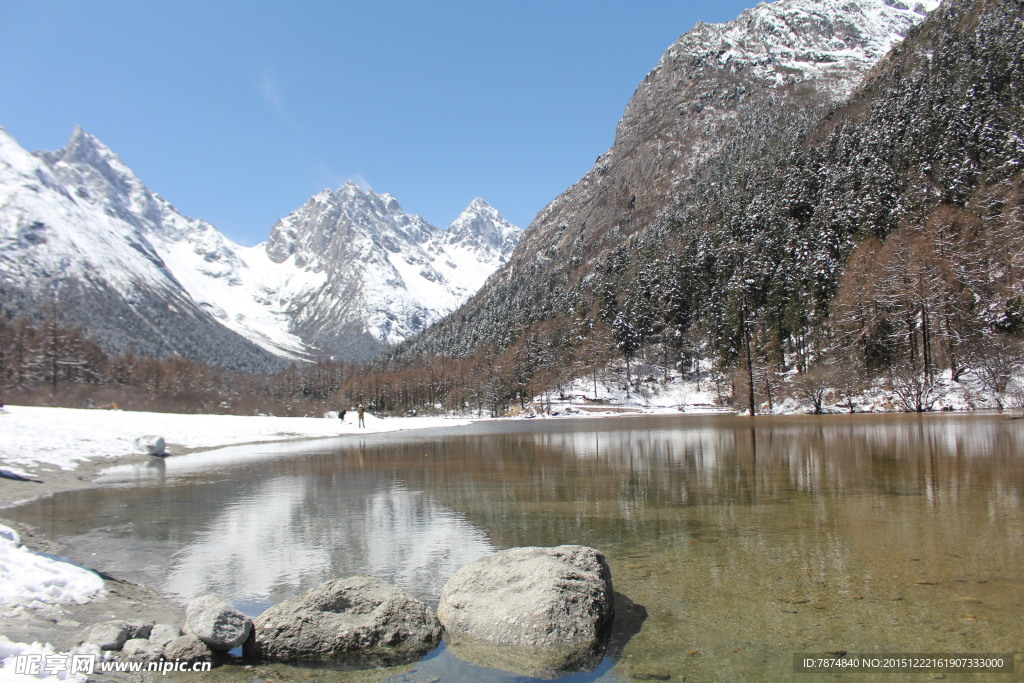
(85, 161)
(482, 228)
(80, 134)
(791, 40)
(350, 188)
(84, 147)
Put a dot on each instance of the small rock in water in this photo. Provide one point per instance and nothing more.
(151, 445)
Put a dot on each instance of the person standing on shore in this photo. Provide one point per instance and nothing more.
(341, 415)
(362, 412)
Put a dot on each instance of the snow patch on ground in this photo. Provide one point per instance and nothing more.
(29, 579)
(34, 581)
(608, 394)
(31, 437)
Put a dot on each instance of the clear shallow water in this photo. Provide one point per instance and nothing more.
(735, 543)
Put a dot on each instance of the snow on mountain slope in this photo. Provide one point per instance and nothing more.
(477, 243)
(37, 244)
(345, 274)
(386, 274)
(77, 224)
(833, 42)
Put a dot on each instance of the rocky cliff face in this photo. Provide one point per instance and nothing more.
(377, 272)
(685, 109)
(713, 86)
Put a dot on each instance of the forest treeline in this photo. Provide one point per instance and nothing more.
(51, 364)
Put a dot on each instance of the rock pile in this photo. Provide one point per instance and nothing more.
(147, 642)
(212, 628)
(534, 611)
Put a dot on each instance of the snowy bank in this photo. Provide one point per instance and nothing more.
(34, 581)
(63, 438)
(46, 664)
(659, 391)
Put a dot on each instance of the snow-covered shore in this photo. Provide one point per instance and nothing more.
(657, 393)
(33, 438)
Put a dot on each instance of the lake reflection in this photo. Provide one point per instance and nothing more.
(742, 540)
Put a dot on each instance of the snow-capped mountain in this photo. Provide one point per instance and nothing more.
(485, 232)
(81, 235)
(689, 106)
(831, 41)
(79, 229)
(378, 272)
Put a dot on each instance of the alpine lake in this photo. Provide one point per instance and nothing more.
(735, 544)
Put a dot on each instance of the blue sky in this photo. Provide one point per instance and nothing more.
(238, 112)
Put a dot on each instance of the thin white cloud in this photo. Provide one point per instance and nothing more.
(272, 93)
(362, 182)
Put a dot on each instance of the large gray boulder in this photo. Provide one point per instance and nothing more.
(535, 611)
(360, 618)
(216, 623)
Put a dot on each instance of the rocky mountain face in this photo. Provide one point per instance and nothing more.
(379, 273)
(346, 274)
(877, 242)
(714, 88)
(688, 107)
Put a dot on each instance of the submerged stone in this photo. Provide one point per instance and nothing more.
(361, 618)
